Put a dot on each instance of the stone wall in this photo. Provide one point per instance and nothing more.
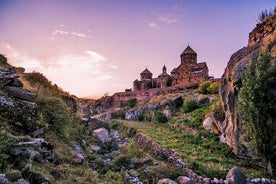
(121, 98)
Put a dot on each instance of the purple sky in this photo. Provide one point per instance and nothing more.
(92, 47)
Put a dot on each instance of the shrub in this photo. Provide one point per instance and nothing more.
(218, 112)
(132, 102)
(56, 114)
(14, 175)
(132, 149)
(160, 117)
(164, 171)
(265, 14)
(203, 87)
(36, 77)
(3, 60)
(118, 115)
(141, 117)
(20, 70)
(256, 105)
(122, 160)
(189, 105)
(213, 88)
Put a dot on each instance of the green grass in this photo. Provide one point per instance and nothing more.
(201, 150)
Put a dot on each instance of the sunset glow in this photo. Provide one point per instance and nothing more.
(90, 48)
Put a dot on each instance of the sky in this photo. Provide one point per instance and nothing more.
(93, 47)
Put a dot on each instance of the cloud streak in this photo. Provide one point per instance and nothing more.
(73, 33)
(86, 71)
(167, 19)
(152, 24)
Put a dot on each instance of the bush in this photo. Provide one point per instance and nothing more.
(132, 102)
(213, 88)
(20, 70)
(203, 87)
(189, 105)
(118, 115)
(122, 160)
(208, 87)
(36, 77)
(56, 114)
(141, 117)
(218, 112)
(132, 149)
(3, 60)
(160, 117)
(256, 105)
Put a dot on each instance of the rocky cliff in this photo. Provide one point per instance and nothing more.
(262, 38)
(16, 104)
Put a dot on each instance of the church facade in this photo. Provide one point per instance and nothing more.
(188, 72)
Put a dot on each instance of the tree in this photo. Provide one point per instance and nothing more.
(256, 105)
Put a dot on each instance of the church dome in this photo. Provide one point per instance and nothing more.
(188, 50)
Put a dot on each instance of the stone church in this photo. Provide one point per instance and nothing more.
(188, 72)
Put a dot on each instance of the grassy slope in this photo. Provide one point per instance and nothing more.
(196, 146)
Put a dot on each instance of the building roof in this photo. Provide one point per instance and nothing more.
(173, 71)
(188, 50)
(199, 67)
(146, 71)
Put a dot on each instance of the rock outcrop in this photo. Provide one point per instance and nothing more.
(261, 38)
(16, 104)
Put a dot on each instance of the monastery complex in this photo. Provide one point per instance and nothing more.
(188, 72)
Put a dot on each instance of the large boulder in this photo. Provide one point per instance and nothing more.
(236, 176)
(132, 114)
(20, 93)
(208, 123)
(166, 181)
(177, 102)
(102, 134)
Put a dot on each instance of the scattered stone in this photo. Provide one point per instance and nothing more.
(184, 180)
(202, 101)
(167, 111)
(166, 181)
(235, 175)
(3, 179)
(165, 102)
(134, 173)
(94, 148)
(22, 181)
(132, 114)
(102, 134)
(6, 101)
(206, 180)
(77, 148)
(177, 102)
(207, 123)
(80, 158)
(255, 180)
(36, 142)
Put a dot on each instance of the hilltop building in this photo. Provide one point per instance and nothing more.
(188, 72)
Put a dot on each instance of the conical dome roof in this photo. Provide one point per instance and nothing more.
(188, 50)
(146, 71)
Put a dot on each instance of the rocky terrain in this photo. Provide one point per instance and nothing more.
(180, 136)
